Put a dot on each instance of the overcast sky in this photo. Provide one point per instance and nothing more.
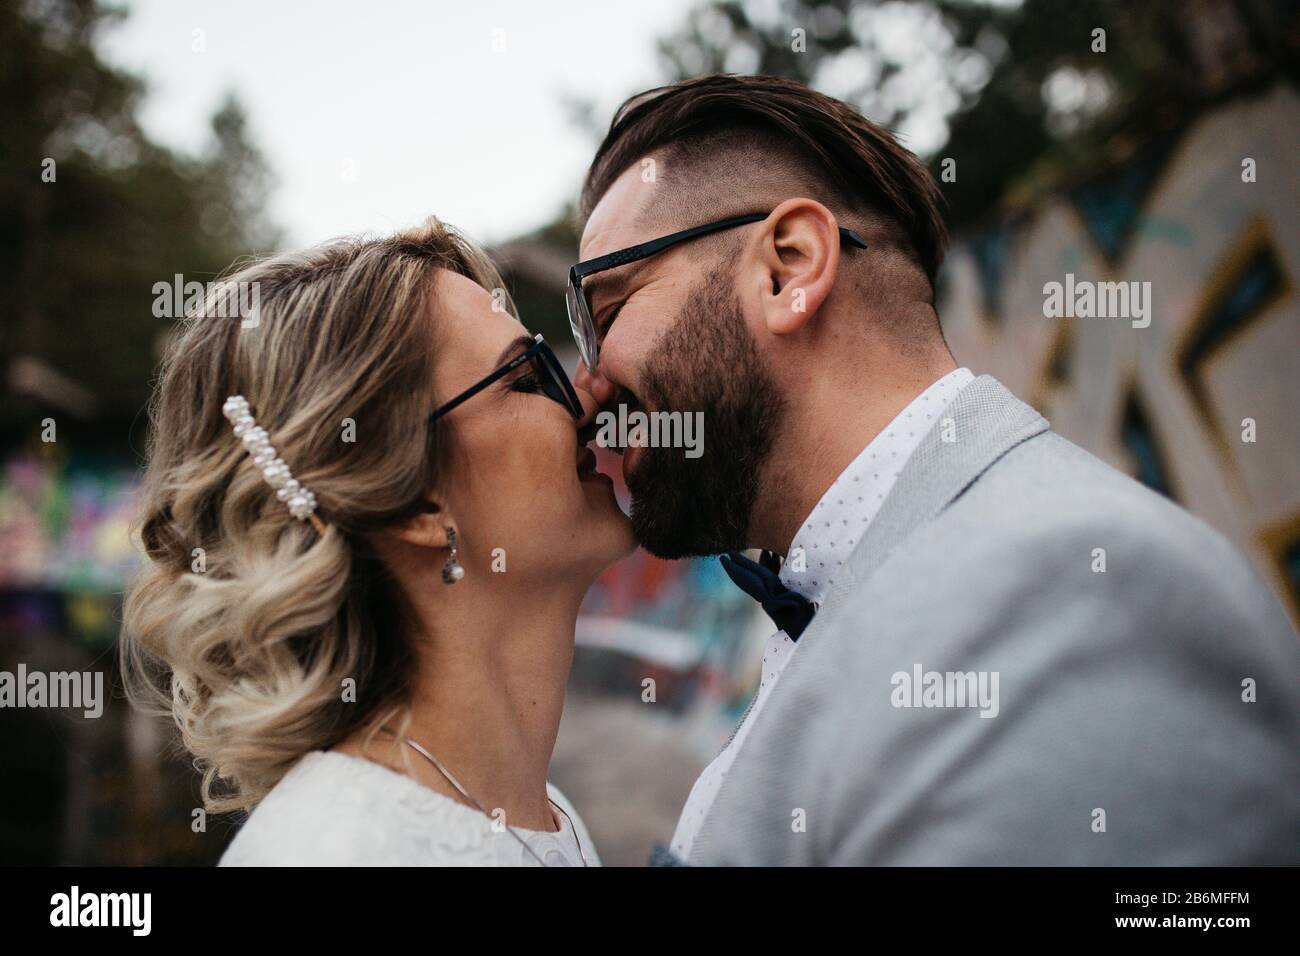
(374, 114)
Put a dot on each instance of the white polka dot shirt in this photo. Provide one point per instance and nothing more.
(820, 547)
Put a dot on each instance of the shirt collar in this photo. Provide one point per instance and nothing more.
(829, 533)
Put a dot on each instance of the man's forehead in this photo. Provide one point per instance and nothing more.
(618, 221)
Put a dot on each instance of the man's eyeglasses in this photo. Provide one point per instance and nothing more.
(580, 320)
(552, 380)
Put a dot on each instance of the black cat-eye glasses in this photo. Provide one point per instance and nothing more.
(552, 381)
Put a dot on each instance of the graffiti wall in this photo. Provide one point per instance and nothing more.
(1195, 388)
(67, 549)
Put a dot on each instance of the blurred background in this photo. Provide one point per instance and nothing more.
(150, 139)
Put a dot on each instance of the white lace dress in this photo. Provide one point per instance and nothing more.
(332, 809)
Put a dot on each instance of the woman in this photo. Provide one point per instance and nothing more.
(370, 523)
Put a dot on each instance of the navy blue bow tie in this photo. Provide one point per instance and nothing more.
(789, 610)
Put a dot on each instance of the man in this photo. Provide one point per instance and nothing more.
(991, 647)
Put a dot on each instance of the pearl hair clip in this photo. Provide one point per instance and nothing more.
(301, 502)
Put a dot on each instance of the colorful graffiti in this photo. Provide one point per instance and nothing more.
(1201, 405)
(66, 548)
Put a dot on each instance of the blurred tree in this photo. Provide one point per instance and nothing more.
(1017, 94)
(92, 214)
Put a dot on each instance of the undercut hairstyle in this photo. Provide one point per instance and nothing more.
(728, 144)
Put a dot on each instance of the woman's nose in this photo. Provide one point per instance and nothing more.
(595, 392)
(596, 383)
(590, 407)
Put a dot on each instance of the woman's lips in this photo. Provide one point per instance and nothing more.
(631, 455)
(587, 467)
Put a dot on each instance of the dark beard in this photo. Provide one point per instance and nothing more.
(707, 362)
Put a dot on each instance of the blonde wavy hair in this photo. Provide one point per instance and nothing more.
(248, 643)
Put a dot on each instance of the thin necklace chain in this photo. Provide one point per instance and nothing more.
(414, 745)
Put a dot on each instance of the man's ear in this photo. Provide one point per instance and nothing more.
(800, 260)
(425, 529)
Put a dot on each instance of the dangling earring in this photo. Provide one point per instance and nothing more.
(453, 570)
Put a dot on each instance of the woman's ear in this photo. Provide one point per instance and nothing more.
(427, 528)
(801, 258)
